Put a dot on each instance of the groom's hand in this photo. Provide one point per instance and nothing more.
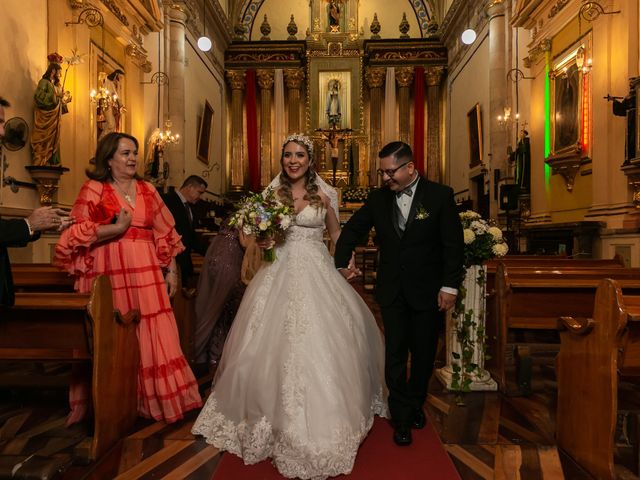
(446, 301)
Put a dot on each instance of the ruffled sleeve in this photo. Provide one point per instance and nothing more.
(166, 239)
(73, 249)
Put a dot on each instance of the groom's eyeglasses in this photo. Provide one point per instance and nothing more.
(392, 171)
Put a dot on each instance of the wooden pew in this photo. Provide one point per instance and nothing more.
(594, 350)
(40, 277)
(531, 298)
(74, 327)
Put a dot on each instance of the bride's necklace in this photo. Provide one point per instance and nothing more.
(126, 195)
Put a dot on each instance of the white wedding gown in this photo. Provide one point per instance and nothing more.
(302, 371)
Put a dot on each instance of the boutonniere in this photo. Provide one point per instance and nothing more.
(421, 213)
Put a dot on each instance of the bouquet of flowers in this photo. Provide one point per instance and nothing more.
(262, 216)
(482, 239)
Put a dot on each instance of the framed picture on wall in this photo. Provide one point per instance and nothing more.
(204, 135)
(474, 125)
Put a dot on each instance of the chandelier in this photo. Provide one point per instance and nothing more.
(167, 137)
(103, 97)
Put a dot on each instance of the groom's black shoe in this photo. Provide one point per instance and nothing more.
(402, 436)
(419, 419)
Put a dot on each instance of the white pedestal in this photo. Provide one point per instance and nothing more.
(475, 300)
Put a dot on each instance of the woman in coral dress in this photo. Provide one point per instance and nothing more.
(124, 230)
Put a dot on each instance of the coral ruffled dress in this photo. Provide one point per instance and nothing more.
(166, 385)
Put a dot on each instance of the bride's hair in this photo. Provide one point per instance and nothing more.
(310, 184)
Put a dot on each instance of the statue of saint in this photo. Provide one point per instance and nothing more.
(333, 109)
(51, 103)
(333, 10)
(110, 107)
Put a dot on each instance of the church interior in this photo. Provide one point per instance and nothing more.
(526, 109)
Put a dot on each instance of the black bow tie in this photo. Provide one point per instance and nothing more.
(407, 191)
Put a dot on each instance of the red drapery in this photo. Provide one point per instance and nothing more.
(418, 121)
(252, 132)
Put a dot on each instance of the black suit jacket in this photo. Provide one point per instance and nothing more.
(185, 228)
(13, 233)
(428, 255)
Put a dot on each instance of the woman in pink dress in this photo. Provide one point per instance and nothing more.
(124, 230)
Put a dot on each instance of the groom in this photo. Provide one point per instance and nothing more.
(421, 266)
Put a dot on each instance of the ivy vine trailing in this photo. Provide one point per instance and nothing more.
(483, 241)
(464, 369)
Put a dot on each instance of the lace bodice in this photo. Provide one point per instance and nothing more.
(308, 224)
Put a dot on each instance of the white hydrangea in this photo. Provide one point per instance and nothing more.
(469, 236)
(478, 226)
(496, 233)
(469, 214)
(500, 249)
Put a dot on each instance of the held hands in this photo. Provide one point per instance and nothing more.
(351, 271)
(265, 243)
(445, 301)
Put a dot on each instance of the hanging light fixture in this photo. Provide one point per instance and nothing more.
(204, 42)
(469, 35)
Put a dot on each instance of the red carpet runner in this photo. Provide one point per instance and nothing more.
(378, 459)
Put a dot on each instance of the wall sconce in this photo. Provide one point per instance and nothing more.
(91, 16)
(507, 119)
(158, 78)
(592, 10)
(167, 137)
(515, 75)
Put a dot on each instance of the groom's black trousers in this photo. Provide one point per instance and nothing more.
(408, 330)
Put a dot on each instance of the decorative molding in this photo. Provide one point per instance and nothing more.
(237, 79)
(403, 53)
(433, 76)
(375, 76)
(537, 52)
(265, 55)
(139, 55)
(404, 76)
(265, 78)
(567, 164)
(113, 7)
(293, 77)
(560, 4)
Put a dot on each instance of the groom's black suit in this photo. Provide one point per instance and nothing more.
(414, 265)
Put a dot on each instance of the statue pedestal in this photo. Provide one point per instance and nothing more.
(475, 305)
(47, 179)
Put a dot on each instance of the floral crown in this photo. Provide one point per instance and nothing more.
(299, 137)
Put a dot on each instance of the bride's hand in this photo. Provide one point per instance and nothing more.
(266, 242)
(353, 270)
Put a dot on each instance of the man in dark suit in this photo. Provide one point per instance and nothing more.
(179, 203)
(18, 232)
(421, 266)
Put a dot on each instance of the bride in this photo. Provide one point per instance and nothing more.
(301, 374)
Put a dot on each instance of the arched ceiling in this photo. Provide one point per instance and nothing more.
(244, 12)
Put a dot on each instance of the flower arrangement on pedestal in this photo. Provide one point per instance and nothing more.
(483, 241)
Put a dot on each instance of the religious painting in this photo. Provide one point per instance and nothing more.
(474, 126)
(566, 131)
(334, 16)
(570, 103)
(204, 134)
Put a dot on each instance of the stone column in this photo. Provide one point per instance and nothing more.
(239, 166)
(177, 29)
(293, 78)
(265, 81)
(434, 159)
(375, 79)
(497, 88)
(404, 77)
